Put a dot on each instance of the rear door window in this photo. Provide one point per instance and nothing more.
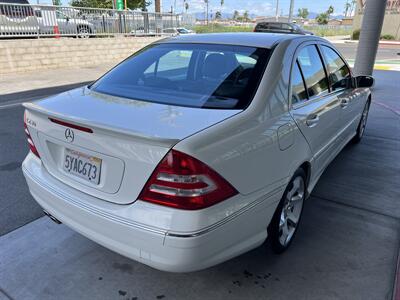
(287, 28)
(337, 68)
(275, 26)
(313, 71)
(299, 92)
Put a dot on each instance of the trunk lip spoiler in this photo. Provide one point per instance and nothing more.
(99, 126)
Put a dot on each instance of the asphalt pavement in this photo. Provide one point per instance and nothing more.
(16, 204)
(385, 52)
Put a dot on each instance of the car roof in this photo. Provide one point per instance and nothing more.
(251, 39)
(273, 22)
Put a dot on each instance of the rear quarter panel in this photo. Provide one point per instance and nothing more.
(245, 149)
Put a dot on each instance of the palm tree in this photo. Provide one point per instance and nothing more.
(353, 7)
(186, 6)
(347, 7)
(330, 11)
(235, 14)
(246, 16)
(206, 10)
(222, 4)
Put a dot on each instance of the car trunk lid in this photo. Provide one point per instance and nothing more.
(125, 139)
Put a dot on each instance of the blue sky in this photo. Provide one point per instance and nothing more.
(257, 7)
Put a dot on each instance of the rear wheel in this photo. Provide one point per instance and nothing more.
(83, 32)
(285, 221)
(363, 122)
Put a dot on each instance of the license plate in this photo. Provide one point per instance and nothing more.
(82, 165)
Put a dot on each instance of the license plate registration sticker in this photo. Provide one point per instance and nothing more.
(82, 165)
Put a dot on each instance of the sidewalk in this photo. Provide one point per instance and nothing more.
(384, 64)
(19, 82)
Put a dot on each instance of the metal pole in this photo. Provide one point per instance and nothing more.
(371, 28)
(291, 11)
(157, 4)
(277, 10)
(207, 12)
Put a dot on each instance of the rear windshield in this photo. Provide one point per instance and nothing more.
(194, 75)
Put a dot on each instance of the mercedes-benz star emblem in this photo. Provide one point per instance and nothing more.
(69, 135)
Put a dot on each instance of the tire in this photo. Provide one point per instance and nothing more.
(285, 222)
(83, 32)
(363, 122)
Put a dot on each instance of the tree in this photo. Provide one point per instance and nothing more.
(322, 18)
(353, 7)
(218, 15)
(246, 16)
(57, 2)
(330, 10)
(186, 7)
(131, 4)
(347, 8)
(140, 4)
(206, 9)
(235, 15)
(303, 13)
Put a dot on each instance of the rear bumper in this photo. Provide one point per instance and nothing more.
(107, 225)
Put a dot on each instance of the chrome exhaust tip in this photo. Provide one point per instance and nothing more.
(54, 219)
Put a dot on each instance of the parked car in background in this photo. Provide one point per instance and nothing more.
(281, 27)
(68, 24)
(17, 19)
(178, 31)
(182, 164)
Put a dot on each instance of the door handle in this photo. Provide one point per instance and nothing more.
(344, 103)
(312, 120)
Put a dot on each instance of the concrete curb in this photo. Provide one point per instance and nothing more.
(391, 43)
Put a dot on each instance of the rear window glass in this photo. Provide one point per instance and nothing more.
(194, 75)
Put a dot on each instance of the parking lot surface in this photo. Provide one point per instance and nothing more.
(346, 247)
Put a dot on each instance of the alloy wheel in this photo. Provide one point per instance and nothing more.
(291, 211)
(363, 121)
(83, 32)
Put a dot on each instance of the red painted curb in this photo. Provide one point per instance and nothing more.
(392, 43)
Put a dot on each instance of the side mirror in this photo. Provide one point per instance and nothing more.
(364, 81)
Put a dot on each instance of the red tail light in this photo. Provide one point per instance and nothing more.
(184, 182)
(32, 146)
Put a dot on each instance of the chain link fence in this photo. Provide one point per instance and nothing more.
(24, 20)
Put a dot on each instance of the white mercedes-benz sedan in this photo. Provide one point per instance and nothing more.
(196, 148)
